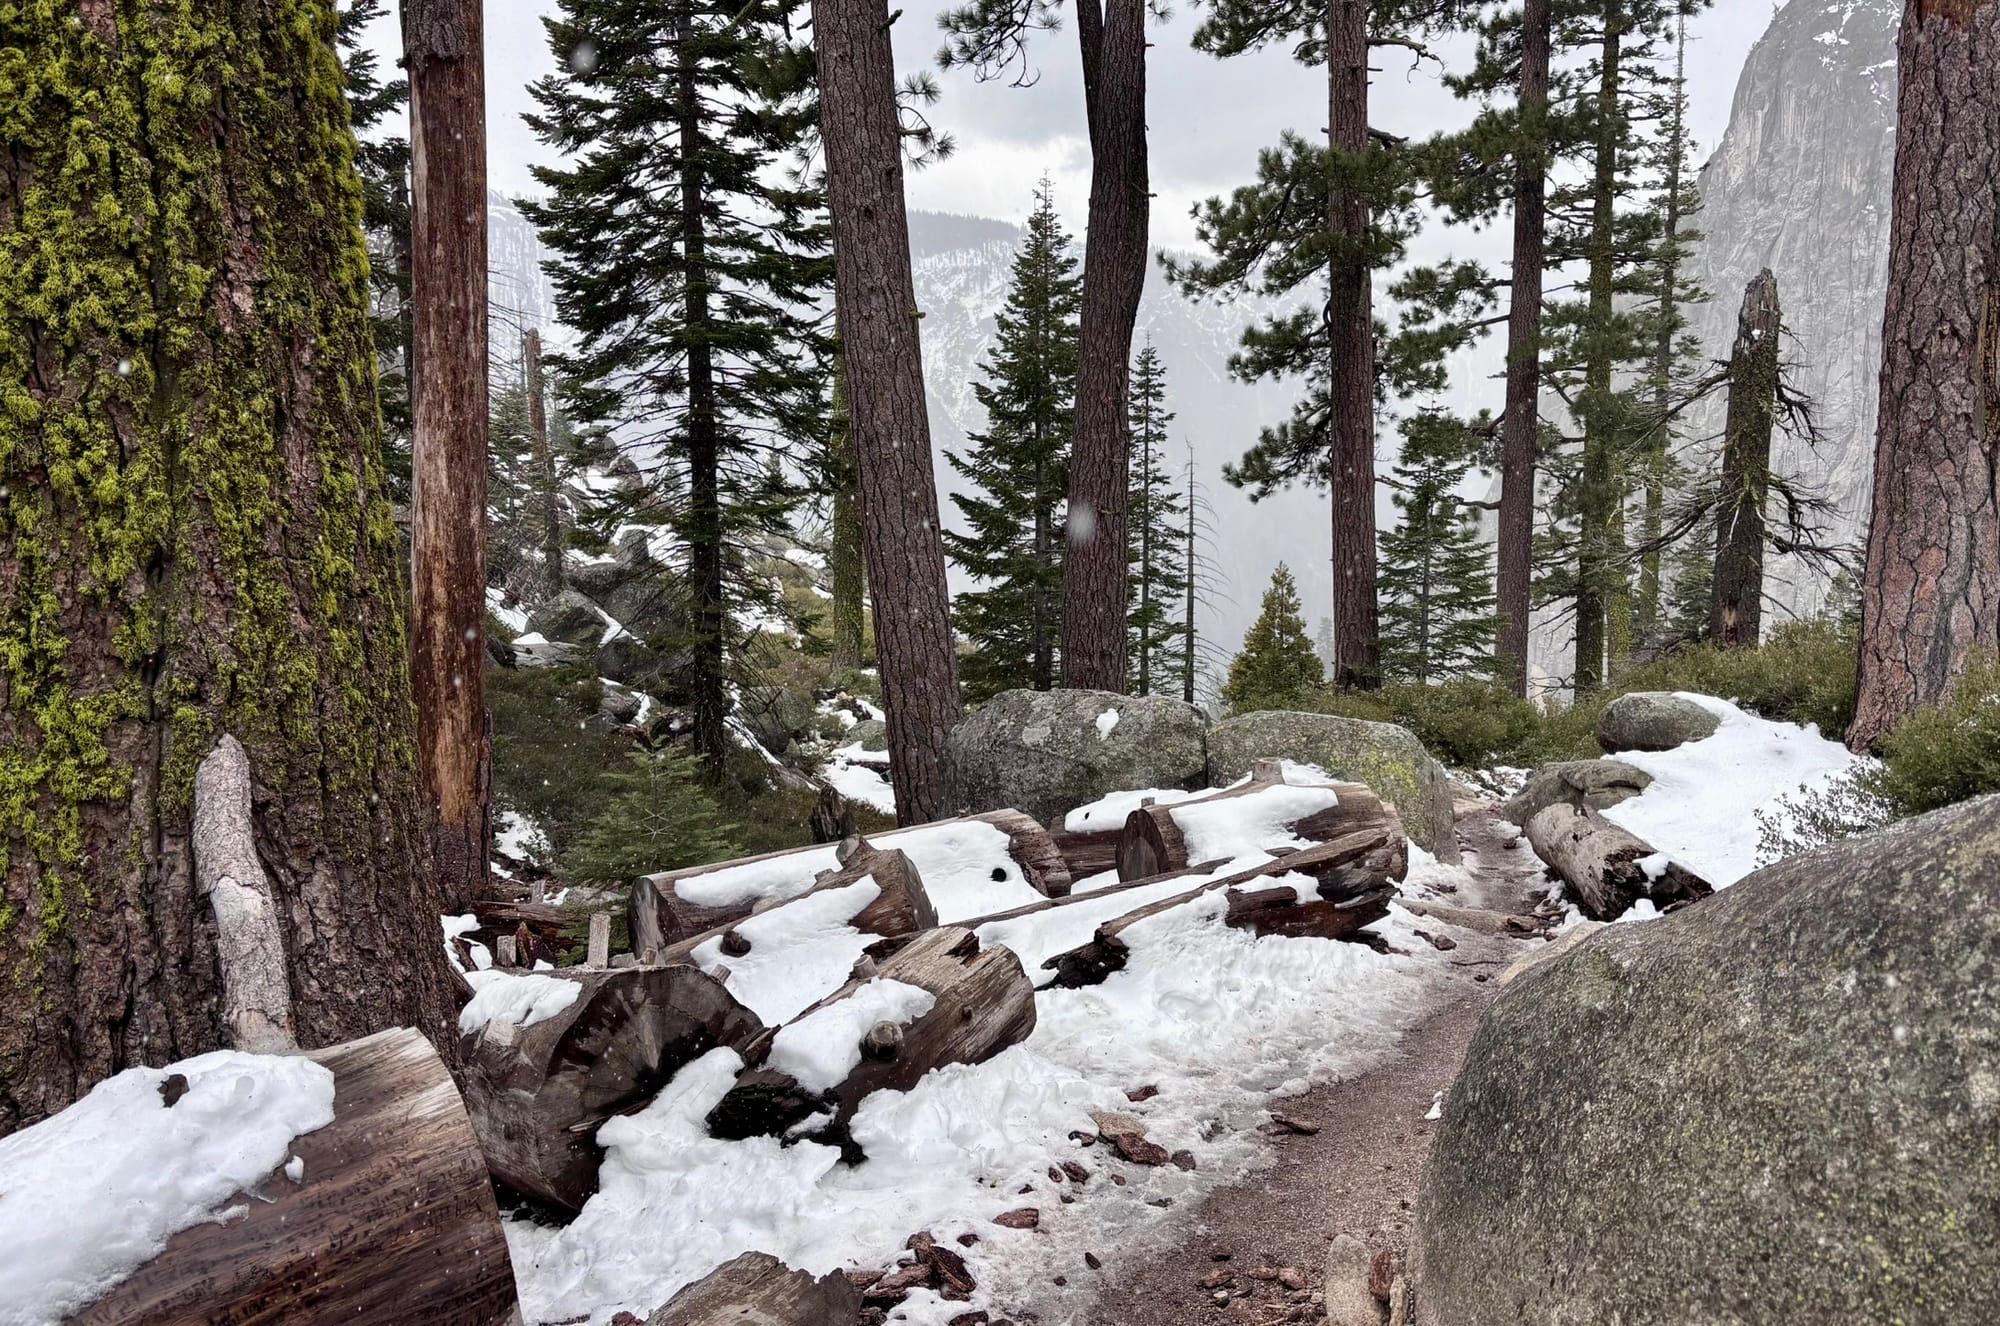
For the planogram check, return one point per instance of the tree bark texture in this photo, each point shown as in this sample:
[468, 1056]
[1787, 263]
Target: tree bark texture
[844, 556]
[888, 422]
[1599, 499]
[194, 540]
[443, 44]
[1931, 592]
[1736, 605]
[1521, 419]
[1112, 34]
[1351, 332]
[550, 495]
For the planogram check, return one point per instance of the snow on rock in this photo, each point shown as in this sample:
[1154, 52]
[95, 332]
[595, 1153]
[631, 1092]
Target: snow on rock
[518, 836]
[861, 776]
[822, 1048]
[454, 926]
[798, 954]
[520, 999]
[1106, 721]
[1701, 808]
[1259, 821]
[1109, 812]
[89, 1195]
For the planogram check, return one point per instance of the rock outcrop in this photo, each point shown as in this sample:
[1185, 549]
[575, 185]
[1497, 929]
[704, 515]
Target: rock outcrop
[1779, 1106]
[1592, 784]
[1653, 720]
[1046, 752]
[1388, 758]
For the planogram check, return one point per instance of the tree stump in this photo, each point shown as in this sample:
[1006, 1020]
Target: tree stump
[393, 1219]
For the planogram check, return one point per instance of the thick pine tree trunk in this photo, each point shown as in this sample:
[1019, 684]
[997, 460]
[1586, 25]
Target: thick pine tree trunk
[1112, 34]
[885, 379]
[1521, 421]
[704, 449]
[443, 46]
[195, 541]
[1599, 499]
[549, 497]
[1736, 606]
[1932, 589]
[1351, 329]
[844, 556]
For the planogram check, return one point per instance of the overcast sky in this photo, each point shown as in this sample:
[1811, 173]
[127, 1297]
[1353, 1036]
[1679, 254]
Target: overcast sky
[1206, 117]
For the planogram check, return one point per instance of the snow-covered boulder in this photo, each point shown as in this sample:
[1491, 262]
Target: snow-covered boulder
[569, 619]
[870, 734]
[1388, 758]
[1779, 1104]
[1045, 751]
[1652, 720]
[1595, 784]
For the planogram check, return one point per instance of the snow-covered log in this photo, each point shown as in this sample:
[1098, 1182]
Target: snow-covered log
[387, 1216]
[1351, 880]
[1606, 868]
[939, 999]
[756, 1289]
[1157, 838]
[902, 907]
[549, 1056]
[1088, 852]
[671, 906]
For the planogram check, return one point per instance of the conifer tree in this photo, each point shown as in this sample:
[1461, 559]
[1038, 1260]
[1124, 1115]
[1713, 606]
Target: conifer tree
[692, 265]
[1155, 634]
[1276, 668]
[1438, 617]
[1019, 470]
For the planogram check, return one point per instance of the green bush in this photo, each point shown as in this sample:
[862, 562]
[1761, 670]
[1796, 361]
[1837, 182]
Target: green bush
[1466, 724]
[550, 758]
[656, 815]
[1946, 753]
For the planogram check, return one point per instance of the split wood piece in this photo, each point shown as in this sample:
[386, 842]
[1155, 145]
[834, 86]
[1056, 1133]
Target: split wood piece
[901, 908]
[392, 1218]
[1600, 863]
[250, 948]
[661, 916]
[756, 1289]
[537, 1093]
[1354, 876]
[1151, 842]
[984, 1003]
[1088, 853]
[545, 923]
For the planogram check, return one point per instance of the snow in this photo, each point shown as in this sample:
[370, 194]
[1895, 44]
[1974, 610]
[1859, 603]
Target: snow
[519, 1000]
[822, 1048]
[295, 1169]
[1260, 820]
[518, 836]
[1701, 808]
[861, 776]
[454, 926]
[514, 619]
[1105, 722]
[1109, 812]
[798, 954]
[89, 1195]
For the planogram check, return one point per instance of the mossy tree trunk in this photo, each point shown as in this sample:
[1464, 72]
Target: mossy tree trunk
[193, 540]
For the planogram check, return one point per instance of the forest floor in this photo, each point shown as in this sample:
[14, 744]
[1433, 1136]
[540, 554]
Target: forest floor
[1256, 1251]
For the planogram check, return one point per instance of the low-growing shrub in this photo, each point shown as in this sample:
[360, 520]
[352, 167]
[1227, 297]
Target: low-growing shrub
[656, 815]
[1945, 753]
[1466, 724]
[550, 757]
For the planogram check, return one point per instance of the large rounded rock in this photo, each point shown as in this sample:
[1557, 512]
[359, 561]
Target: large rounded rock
[1780, 1106]
[1388, 758]
[1046, 752]
[1592, 784]
[1652, 720]
[870, 734]
[568, 619]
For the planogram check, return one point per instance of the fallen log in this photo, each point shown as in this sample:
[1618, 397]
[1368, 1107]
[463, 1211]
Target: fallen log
[757, 1289]
[902, 907]
[392, 1217]
[537, 1092]
[951, 1002]
[545, 924]
[1155, 838]
[1353, 878]
[1606, 868]
[1486, 921]
[672, 905]
[1087, 853]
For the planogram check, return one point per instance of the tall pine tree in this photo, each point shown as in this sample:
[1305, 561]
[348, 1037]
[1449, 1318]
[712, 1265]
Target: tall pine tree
[1155, 636]
[1276, 668]
[693, 266]
[1438, 617]
[1019, 470]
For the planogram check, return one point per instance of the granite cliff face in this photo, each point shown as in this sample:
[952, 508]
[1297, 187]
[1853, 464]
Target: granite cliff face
[1800, 184]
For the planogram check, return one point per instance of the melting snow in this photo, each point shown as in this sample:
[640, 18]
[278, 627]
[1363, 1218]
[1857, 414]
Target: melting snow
[522, 999]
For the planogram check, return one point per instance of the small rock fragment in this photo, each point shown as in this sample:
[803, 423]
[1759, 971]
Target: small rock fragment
[1140, 1151]
[1291, 1125]
[1090, 1260]
[1077, 1172]
[1137, 1094]
[1183, 1159]
[1026, 1217]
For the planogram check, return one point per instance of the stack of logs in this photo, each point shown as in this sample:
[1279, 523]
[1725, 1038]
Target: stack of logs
[535, 1094]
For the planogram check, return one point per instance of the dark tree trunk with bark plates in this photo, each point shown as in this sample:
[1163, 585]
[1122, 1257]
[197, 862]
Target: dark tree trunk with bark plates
[1736, 607]
[1931, 593]
[1351, 331]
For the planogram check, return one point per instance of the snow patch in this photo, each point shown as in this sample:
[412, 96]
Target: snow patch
[822, 1048]
[1106, 721]
[798, 954]
[1259, 821]
[1109, 811]
[521, 1000]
